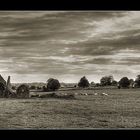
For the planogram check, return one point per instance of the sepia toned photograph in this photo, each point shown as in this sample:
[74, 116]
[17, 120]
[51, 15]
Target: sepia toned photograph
[69, 69]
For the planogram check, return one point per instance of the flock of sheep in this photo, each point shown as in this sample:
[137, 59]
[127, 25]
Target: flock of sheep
[102, 94]
[66, 95]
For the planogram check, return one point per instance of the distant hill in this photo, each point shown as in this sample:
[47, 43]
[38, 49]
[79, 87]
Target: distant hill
[41, 84]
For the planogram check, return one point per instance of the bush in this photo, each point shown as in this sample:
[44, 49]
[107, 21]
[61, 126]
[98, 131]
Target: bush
[38, 87]
[53, 84]
[124, 82]
[92, 84]
[14, 87]
[97, 85]
[44, 88]
[83, 82]
[75, 86]
[33, 87]
[23, 91]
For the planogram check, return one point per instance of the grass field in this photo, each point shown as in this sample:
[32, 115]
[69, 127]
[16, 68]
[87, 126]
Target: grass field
[120, 109]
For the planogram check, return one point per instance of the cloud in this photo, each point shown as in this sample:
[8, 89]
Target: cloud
[69, 44]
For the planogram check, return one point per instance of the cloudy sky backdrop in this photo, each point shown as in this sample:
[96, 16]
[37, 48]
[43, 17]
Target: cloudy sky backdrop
[68, 45]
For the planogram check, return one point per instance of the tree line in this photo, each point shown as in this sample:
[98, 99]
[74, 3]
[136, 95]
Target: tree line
[124, 82]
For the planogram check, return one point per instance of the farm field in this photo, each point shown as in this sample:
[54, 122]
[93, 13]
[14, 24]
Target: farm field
[120, 109]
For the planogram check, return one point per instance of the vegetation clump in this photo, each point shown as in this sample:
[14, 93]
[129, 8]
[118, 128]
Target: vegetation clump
[83, 82]
[124, 82]
[33, 87]
[23, 91]
[107, 80]
[137, 81]
[52, 84]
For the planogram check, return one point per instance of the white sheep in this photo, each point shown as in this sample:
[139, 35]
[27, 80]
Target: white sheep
[84, 94]
[76, 93]
[105, 94]
[95, 93]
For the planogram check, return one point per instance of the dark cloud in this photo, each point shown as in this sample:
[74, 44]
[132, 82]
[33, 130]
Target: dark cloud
[68, 45]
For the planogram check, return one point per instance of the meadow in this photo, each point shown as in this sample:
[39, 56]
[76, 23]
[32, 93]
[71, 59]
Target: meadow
[120, 109]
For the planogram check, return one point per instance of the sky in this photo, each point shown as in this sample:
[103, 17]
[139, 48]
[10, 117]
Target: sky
[37, 45]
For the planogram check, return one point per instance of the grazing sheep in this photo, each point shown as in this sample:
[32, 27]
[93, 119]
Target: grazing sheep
[36, 95]
[84, 94]
[76, 93]
[95, 93]
[62, 93]
[42, 96]
[104, 94]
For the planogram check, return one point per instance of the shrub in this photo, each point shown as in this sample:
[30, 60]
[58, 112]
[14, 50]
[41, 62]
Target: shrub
[32, 87]
[38, 87]
[83, 82]
[44, 88]
[23, 91]
[14, 87]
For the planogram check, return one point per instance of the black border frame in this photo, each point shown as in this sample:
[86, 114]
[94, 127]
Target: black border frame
[69, 5]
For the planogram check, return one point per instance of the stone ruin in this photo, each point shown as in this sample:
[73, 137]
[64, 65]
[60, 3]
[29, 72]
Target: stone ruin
[7, 91]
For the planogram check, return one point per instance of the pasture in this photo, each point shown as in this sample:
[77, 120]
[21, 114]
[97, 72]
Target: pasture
[120, 109]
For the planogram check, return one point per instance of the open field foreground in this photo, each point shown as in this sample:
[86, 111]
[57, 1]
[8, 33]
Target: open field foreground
[120, 109]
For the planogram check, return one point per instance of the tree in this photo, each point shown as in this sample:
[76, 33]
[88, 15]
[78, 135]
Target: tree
[106, 80]
[50, 79]
[53, 84]
[114, 83]
[137, 80]
[83, 82]
[124, 82]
